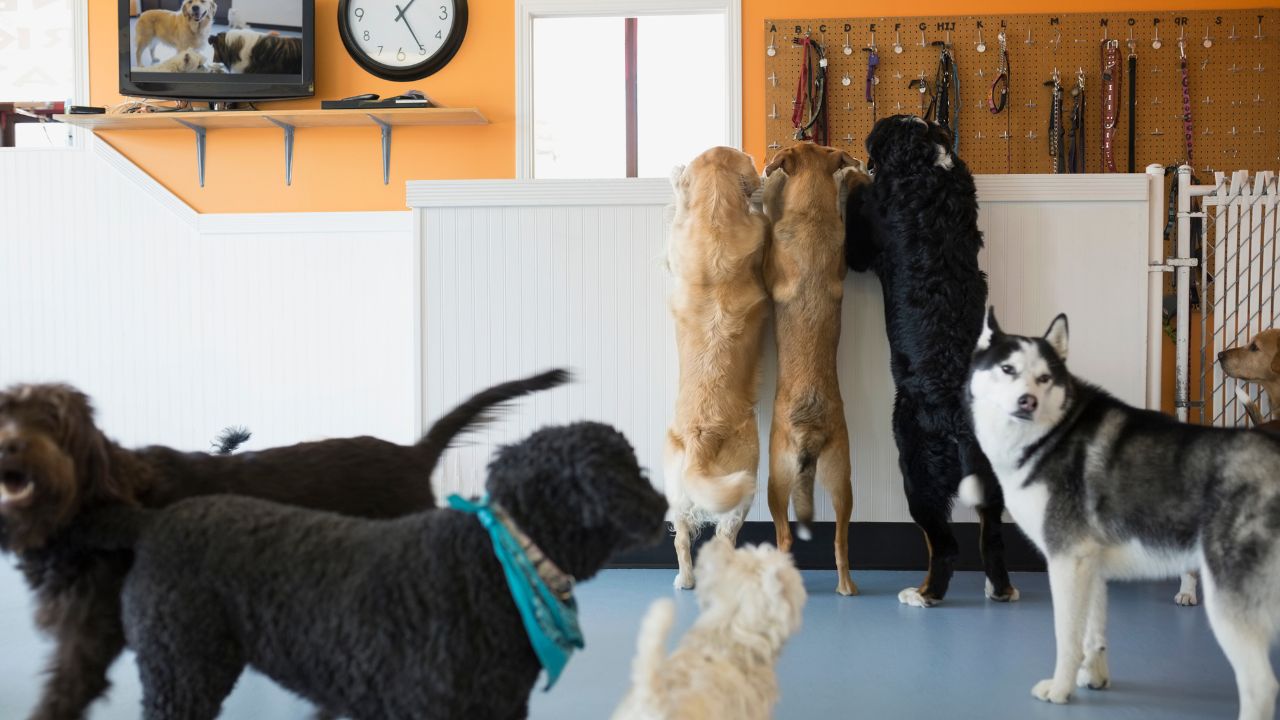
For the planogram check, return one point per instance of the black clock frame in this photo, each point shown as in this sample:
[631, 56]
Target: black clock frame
[413, 72]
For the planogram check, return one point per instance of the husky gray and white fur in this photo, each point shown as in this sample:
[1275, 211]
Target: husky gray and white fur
[1107, 491]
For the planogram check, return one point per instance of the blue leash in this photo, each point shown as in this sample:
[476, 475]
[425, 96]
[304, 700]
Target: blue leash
[550, 621]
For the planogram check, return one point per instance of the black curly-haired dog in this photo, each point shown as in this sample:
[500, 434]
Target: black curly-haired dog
[916, 226]
[55, 464]
[370, 619]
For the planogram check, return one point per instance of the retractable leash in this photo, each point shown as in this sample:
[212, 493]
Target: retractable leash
[946, 96]
[1133, 100]
[1188, 131]
[1076, 151]
[1110, 101]
[1055, 123]
[811, 93]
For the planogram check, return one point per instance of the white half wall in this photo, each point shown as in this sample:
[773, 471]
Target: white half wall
[519, 276]
[298, 326]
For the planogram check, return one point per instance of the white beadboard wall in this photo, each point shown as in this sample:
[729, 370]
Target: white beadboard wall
[523, 275]
[297, 326]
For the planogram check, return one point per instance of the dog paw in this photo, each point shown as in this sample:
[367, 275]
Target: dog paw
[1012, 595]
[913, 597]
[1045, 690]
[1093, 673]
[683, 582]
[1186, 599]
[847, 587]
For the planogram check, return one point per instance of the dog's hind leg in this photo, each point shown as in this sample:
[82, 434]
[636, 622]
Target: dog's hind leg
[1071, 581]
[684, 552]
[782, 479]
[186, 682]
[89, 637]
[1094, 673]
[834, 472]
[1245, 638]
[990, 521]
[926, 463]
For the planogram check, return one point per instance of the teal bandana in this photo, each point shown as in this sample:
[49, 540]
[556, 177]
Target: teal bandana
[543, 592]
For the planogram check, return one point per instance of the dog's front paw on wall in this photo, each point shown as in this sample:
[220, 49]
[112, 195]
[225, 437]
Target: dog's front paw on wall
[1045, 690]
[913, 597]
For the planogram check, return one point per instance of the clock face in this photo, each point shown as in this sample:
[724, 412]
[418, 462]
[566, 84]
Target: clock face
[402, 39]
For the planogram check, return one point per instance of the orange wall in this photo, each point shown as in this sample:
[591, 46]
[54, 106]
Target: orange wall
[341, 169]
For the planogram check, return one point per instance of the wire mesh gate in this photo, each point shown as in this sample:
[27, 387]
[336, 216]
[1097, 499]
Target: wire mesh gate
[1233, 276]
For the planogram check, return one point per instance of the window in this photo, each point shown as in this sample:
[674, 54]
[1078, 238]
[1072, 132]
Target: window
[612, 88]
[40, 72]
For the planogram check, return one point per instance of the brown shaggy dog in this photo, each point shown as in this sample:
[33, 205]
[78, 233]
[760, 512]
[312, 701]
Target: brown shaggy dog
[55, 464]
[715, 254]
[1257, 362]
[251, 52]
[804, 271]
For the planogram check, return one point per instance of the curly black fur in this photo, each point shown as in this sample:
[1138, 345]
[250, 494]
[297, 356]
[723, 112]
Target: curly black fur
[76, 469]
[388, 619]
[916, 227]
[230, 439]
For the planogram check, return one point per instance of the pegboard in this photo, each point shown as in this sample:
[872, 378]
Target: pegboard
[1233, 60]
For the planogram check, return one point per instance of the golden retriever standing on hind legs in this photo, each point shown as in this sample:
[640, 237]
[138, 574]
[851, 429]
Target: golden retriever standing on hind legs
[804, 272]
[715, 253]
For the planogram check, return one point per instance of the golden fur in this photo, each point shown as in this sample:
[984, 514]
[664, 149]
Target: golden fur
[1257, 362]
[751, 601]
[804, 272]
[719, 304]
[185, 29]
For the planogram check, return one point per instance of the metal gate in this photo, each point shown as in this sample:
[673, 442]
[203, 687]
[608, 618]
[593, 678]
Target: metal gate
[1233, 274]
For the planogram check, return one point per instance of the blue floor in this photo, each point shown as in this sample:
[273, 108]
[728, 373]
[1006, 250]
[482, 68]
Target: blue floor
[860, 657]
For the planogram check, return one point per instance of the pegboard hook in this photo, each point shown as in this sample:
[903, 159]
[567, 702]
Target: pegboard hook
[1259, 36]
[1029, 41]
[1106, 33]
[1057, 38]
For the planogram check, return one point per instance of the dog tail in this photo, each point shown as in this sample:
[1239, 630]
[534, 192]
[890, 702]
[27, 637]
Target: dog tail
[651, 650]
[719, 494]
[231, 438]
[115, 527]
[802, 493]
[1250, 407]
[479, 408]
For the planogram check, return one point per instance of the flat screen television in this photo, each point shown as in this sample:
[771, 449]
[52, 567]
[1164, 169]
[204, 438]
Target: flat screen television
[217, 50]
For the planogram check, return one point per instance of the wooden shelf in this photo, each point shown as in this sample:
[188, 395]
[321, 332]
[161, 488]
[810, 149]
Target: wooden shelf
[286, 120]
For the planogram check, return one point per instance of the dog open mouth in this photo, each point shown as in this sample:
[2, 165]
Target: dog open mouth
[15, 487]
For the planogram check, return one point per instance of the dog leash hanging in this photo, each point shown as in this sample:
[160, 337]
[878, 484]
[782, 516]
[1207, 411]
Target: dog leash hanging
[1133, 101]
[811, 93]
[945, 105]
[1188, 131]
[1076, 150]
[1055, 123]
[1110, 102]
[873, 62]
[998, 96]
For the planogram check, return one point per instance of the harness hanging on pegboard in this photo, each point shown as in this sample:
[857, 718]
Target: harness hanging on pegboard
[1056, 156]
[809, 113]
[1076, 150]
[1111, 72]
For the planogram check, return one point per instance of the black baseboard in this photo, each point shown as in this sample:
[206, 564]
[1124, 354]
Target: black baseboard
[872, 546]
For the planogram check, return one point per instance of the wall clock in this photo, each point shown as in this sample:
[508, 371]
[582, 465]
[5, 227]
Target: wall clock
[402, 39]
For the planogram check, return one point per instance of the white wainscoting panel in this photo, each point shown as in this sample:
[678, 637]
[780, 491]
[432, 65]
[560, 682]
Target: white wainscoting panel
[297, 326]
[519, 276]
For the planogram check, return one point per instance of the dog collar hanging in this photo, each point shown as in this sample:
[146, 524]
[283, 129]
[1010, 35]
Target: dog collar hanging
[543, 593]
[945, 105]
[998, 96]
[1111, 71]
[1188, 131]
[1055, 123]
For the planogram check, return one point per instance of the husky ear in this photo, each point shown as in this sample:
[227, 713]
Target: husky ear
[1057, 336]
[990, 329]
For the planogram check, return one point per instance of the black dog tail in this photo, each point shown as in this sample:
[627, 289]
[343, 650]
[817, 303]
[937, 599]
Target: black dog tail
[478, 409]
[115, 527]
[231, 438]
[802, 493]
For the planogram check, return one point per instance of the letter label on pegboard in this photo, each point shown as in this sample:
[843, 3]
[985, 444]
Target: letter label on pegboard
[1053, 22]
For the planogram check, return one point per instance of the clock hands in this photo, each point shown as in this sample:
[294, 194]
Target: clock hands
[401, 16]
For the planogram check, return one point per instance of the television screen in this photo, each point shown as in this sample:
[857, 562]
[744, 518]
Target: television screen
[217, 49]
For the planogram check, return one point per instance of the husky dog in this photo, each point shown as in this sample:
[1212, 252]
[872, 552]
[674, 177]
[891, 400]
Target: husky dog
[1108, 491]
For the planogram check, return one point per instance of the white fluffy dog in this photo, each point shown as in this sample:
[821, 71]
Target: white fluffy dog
[751, 601]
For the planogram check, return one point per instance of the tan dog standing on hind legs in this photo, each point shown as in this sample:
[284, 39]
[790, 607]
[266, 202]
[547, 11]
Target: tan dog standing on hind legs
[715, 253]
[804, 271]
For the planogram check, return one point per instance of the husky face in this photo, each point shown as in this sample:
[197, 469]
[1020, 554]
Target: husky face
[1017, 380]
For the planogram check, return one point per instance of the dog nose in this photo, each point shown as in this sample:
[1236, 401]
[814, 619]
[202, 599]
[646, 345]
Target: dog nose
[1222, 355]
[1028, 403]
[12, 447]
